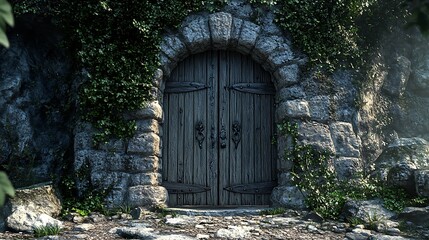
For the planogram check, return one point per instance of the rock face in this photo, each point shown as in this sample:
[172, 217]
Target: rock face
[418, 216]
[32, 207]
[404, 163]
[366, 211]
[37, 92]
[35, 84]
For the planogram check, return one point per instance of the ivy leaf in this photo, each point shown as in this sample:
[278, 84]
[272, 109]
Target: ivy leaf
[6, 188]
[3, 39]
[6, 18]
[6, 13]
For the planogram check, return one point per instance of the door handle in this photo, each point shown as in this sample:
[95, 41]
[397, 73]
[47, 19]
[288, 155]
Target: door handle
[222, 137]
[199, 133]
[236, 133]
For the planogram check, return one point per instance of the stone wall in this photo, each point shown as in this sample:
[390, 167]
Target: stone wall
[36, 109]
[395, 97]
[37, 95]
[323, 108]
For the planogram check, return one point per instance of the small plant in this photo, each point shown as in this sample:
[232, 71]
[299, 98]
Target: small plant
[354, 221]
[163, 212]
[373, 220]
[47, 230]
[273, 211]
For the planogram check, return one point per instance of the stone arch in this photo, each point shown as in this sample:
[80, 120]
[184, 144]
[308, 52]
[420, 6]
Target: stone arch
[222, 31]
[131, 167]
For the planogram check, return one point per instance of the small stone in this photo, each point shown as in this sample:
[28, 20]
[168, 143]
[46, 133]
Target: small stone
[78, 219]
[393, 231]
[83, 227]
[360, 226]
[200, 226]
[203, 236]
[311, 228]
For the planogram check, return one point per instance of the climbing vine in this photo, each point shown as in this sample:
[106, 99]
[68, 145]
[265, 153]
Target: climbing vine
[116, 43]
[336, 34]
[313, 173]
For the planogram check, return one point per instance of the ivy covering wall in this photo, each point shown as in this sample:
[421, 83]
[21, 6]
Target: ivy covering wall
[116, 43]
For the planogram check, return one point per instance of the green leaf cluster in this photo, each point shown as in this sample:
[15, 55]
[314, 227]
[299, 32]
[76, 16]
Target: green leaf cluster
[313, 173]
[47, 230]
[6, 188]
[6, 19]
[117, 45]
[337, 34]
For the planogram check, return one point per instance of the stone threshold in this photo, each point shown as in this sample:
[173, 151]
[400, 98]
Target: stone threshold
[219, 211]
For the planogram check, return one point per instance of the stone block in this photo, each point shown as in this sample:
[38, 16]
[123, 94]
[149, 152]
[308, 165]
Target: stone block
[422, 182]
[166, 64]
[248, 35]
[90, 159]
[281, 56]
[235, 32]
[145, 144]
[317, 135]
[292, 109]
[173, 48]
[347, 144]
[290, 93]
[116, 198]
[347, 167]
[145, 179]
[286, 76]
[319, 108]
[285, 179]
[147, 125]
[152, 111]
[264, 46]
[115, 180]
[140, 196]
[113, 145]
[158, 77]
[288, 196]
[136, 164]
[220, 28]
[197, 35]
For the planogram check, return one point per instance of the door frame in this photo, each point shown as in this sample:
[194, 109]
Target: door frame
[222, 31]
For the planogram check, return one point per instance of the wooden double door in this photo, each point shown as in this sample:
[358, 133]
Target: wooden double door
[218, 132]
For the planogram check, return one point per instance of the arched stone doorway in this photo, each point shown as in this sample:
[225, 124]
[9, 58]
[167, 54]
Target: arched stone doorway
[218, 130]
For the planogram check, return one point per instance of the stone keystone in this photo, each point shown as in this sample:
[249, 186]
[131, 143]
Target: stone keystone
[220, 28]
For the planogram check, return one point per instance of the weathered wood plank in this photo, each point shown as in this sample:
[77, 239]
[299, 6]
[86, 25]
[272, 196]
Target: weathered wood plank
[236, 115]
[212, 166]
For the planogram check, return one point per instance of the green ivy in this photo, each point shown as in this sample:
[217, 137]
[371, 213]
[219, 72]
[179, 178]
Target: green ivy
[117, 45]
[336, 34]
[314, 174]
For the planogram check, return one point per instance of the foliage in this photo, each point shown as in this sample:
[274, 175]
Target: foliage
[88, 198]
[91, 200]
[314, 174]
[325, 30]
[117, 45]
[163, 212]
[419, 14]
[273, 211]
[6, 19]
[336, 34]
[6, 188]
[47, 230]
